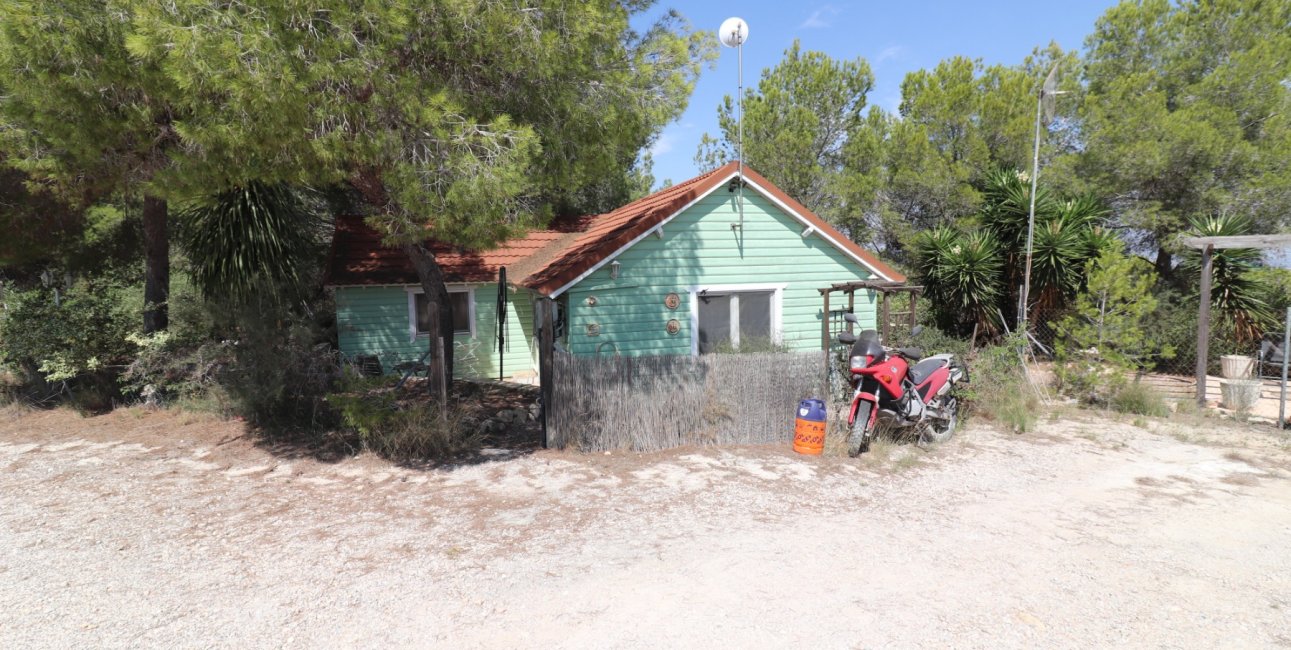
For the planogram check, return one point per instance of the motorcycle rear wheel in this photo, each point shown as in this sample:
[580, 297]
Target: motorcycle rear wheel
[940, 430]
[858, 441]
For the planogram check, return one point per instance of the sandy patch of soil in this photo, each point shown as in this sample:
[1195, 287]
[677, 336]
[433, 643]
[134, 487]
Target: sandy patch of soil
[159, 529]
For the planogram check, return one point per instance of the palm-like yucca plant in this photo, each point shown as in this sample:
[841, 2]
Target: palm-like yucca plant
[1098, 240]
[1056, 262]
[980, 275]
[930, 250]
[1065, 240]
[1006, 207]
[248, 240]
[1084, 211]
[962, 272]
[1235, 294]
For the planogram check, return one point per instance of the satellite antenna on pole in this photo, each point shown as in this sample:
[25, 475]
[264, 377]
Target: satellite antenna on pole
[733, 33]
[1044, 111]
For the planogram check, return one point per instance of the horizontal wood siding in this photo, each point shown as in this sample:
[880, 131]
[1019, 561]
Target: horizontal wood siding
[699, 248]
[374, 320]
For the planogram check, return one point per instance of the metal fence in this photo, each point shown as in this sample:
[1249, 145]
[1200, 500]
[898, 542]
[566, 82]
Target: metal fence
[658, 402]
[1176, 334]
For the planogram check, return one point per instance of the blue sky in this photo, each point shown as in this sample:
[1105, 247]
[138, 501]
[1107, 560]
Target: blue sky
[895, 37]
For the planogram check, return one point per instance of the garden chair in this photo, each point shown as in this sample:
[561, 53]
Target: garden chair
[368, 365]
[1269, 361]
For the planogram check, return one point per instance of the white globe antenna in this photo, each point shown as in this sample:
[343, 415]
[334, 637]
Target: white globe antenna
[733, 33]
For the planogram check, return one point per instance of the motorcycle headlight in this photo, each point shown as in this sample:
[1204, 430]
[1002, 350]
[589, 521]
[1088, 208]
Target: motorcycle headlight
[859, 363]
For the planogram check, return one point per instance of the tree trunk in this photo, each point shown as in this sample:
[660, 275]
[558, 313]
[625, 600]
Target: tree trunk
[1164, 264]
[156, 282]
[439, 377]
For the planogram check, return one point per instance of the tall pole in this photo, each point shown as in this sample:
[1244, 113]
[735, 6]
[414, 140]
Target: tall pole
[1203, 322]
[1035, 176]
[733, 32]
[739, 53]
[1286, 352]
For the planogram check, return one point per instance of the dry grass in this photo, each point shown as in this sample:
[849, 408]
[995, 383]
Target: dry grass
[419, 433]
[14, 409]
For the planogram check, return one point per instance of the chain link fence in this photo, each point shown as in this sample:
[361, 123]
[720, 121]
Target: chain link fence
[1173, 372]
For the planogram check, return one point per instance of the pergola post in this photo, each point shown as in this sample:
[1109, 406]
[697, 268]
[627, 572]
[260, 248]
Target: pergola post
[546, 308]
[1207, 245]
[1203, 322]
[824, 323]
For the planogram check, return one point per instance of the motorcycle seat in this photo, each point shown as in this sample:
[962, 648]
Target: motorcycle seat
[922, 370]
[913, 354]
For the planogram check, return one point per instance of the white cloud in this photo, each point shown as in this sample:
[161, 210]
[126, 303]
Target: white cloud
[662, 145]
[819, 18]
[893, 52]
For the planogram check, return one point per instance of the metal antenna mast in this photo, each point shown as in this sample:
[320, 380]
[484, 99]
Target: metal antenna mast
[733, 33]
[1044, 108]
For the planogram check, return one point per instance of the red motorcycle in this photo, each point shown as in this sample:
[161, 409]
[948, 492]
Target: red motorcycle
[891, 391]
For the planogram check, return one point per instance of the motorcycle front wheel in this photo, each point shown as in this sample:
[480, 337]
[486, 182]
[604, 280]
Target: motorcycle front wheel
[858, 442]
[940, 430]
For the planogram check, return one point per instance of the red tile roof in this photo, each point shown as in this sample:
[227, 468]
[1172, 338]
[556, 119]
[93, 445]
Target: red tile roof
[547, 260]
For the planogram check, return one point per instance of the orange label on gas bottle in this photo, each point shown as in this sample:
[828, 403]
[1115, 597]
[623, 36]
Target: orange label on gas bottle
[809, 433]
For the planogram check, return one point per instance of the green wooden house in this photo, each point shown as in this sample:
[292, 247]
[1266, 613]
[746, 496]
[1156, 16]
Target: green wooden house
[679, 272]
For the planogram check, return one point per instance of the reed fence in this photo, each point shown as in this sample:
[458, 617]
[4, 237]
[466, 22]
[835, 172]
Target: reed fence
[658, 402]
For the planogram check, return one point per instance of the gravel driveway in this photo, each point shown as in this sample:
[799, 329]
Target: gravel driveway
[142, 529]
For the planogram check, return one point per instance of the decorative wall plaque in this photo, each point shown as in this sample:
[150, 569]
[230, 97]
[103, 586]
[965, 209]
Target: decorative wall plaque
[593, 329]
[673, 326]
[672, 301]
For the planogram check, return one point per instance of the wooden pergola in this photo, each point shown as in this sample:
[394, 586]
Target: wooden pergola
[885, 289]
[1207, 245]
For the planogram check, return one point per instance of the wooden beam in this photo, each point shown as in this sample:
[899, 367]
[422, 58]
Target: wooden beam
[887, 320]
[851, 307]
[1239, 241]
[824, 325]
[881, 285]
[546, 350]
[1203, 323]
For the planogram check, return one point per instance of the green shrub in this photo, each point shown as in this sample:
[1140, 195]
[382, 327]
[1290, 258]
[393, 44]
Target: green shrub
[934, 341]
[73, 341]
[1139, 399]
[167, 369]
[394, 426]
[1105, 336]
[280, 369]
[998, 389]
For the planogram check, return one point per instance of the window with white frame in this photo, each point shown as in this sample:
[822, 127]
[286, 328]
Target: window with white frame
[729, 319]
[463, 303]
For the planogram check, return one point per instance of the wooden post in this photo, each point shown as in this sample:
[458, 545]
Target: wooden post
[443, 385]
[436, 381]
[1286, 357]
[824, 341]
[914, 318]
[546, 350]
[824, 324]
[1203, 322]
[501, 320]
[851, 306]
[887, 319]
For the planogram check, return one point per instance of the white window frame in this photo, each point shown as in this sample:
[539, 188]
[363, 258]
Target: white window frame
[413, 292]
[777, 310]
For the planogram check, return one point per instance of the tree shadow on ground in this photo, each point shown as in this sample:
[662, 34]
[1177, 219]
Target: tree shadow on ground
[500, 416]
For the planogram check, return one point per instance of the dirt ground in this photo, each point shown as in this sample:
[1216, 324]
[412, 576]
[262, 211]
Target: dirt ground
[161, 529]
